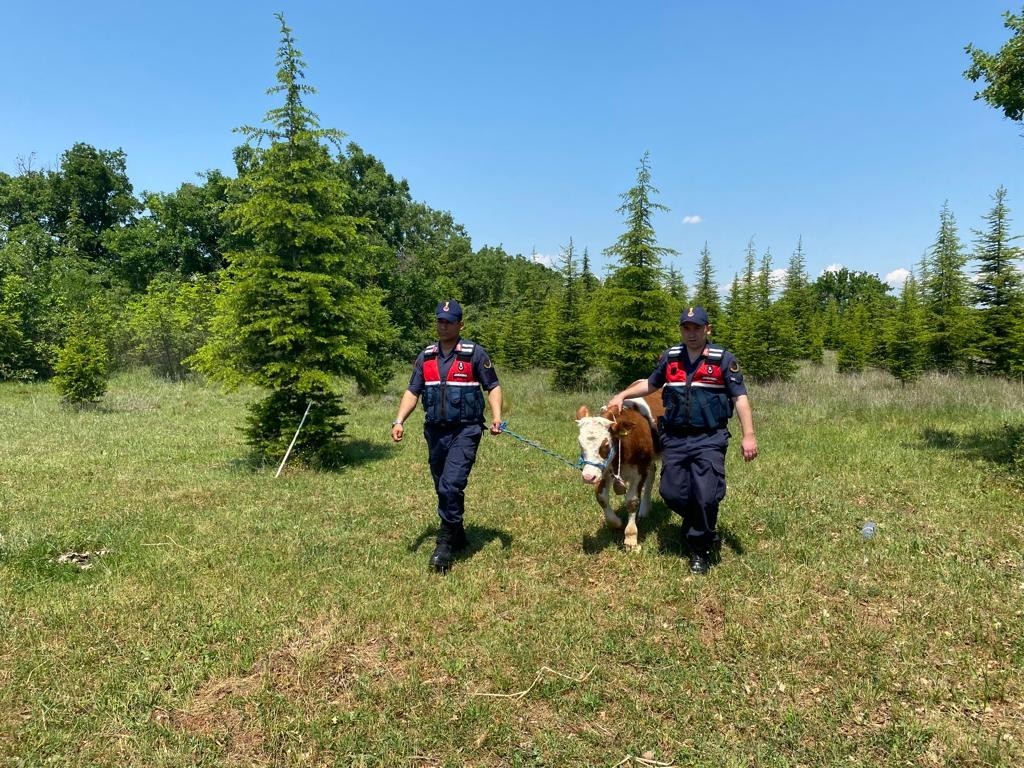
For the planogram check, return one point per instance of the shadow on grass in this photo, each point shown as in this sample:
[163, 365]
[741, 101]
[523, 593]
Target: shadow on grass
[606, 536]
[478, 536]
[996, 446]
[671, 541]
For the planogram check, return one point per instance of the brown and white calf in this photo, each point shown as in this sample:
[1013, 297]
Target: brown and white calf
[620, 450]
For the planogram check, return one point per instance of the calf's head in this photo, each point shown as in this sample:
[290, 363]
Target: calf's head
[595, 444]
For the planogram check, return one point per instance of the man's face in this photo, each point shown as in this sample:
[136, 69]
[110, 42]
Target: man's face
[694, 336]
[448, 331]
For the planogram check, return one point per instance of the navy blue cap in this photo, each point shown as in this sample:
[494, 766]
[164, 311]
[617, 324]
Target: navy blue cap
[449, 310]
[695, 315]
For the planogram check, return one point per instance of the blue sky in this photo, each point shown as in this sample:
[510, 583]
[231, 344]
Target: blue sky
[845, 124]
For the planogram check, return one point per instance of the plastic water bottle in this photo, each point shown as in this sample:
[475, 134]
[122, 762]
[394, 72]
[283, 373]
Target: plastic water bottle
[868, 531]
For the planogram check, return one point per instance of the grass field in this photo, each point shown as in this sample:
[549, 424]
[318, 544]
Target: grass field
[236, 619]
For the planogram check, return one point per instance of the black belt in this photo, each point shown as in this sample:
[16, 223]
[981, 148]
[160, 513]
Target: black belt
[686, 431]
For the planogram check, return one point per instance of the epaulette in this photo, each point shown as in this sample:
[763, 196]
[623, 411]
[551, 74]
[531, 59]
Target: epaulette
[676, 351]
[715, 353]
[430, 350]
[465, 348]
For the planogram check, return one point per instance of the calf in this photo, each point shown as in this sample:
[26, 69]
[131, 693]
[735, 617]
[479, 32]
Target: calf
[620, 449]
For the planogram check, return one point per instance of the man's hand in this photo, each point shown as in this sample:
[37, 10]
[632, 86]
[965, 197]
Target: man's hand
[749, 445]
[615, 402]
[496, 426]
[397, 432]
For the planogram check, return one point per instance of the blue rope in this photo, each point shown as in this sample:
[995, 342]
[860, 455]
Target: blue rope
[575, 465]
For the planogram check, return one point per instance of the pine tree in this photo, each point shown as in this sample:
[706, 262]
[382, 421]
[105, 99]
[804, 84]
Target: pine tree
[675, 286]
[854, 338]
[640, 323]
[998, 287]
[739, 333]
[773, 338]
[571, 363]
[906, 338]
[588, 282]
[83, 366]
[946, 296]
[797, 303]
[705, 291]
[292, 315]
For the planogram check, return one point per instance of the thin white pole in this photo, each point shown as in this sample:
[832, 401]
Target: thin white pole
[292, 445]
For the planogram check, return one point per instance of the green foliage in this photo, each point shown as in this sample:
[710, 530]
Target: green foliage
[797, 304]
[571, 362]
[946, 291]
[998, 288]
[775, 347]
[297, 308]
[906, 336]
[736, 329]
[638, 319]
[82, 366]
[1003, 71]
[856, 339]
[171, 322]
[705, 292]
[89, 196]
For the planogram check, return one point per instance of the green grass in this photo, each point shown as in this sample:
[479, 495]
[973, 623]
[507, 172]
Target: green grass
[243, 620]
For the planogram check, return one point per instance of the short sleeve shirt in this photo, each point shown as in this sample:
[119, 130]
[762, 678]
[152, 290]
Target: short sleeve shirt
[483, 369]
[734, 386]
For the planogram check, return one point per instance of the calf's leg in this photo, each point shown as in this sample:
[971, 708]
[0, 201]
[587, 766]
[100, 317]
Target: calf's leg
[602, 498]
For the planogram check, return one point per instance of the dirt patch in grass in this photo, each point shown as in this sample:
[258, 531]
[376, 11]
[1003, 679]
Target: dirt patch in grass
[709, 616]
[222, 709]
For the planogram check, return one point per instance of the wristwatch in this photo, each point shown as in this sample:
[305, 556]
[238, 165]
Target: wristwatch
[397, 423]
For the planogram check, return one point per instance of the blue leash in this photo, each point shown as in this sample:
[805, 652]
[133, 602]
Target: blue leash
[575, 465]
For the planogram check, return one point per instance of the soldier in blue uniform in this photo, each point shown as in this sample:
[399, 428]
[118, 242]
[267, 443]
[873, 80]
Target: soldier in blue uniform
[452, 375]
[703, 385]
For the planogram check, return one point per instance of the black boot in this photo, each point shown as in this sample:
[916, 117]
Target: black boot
[450, 538]
[459, 540]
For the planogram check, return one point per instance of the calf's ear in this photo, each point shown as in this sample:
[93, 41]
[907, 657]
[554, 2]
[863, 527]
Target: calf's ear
[618, 429]
[582, 412]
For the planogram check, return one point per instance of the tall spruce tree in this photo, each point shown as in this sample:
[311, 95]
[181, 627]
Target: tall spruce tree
[797, 303]
[998, 287]
[774, 339]
[639, 311]
[855, 336]
[292, 315]
[571, 363]
[946, 295]
[705, 293]
[739, 331]
[906, 336]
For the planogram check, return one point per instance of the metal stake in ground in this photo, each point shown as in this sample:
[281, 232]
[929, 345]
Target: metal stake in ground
[292, 444]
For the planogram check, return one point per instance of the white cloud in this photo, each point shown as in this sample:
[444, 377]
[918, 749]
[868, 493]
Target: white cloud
[694, 219]
[778, 277]
[832, 268]
[540, 258]
[897, 277]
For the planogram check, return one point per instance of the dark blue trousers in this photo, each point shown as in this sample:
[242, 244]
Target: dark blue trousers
[451, 453]
[693, 483]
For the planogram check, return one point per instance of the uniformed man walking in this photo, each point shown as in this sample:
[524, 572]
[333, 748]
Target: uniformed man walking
[703, 385]
[451, 375]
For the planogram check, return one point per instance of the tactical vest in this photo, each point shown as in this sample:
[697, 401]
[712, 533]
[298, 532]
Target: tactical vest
[458, 399]
[698, 401]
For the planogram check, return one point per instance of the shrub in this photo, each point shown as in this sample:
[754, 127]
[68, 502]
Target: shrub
[82, 368]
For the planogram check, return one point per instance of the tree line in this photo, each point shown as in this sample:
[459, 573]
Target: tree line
[313, 262]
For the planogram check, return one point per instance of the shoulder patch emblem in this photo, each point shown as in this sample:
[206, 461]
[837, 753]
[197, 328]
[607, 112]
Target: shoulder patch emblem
[734, 366]
[487, 362]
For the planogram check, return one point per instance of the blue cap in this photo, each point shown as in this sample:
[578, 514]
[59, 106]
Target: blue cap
[695, 315]
[449, 310]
